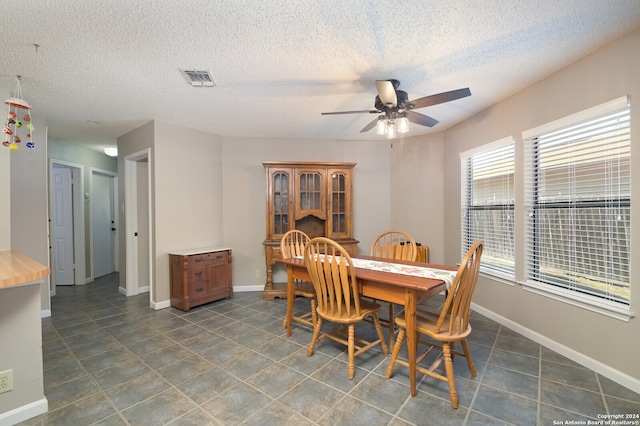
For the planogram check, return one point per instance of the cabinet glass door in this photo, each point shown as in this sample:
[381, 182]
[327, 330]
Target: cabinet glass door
[280, 202]
[311, 193]
[340, 203]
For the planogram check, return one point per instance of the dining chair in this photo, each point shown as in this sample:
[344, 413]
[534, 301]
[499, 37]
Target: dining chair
[397, 245]
[292, 245]
[338, 299]
[445, 327]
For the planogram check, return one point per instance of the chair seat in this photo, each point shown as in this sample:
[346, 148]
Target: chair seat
[367, 307]
[426, 320]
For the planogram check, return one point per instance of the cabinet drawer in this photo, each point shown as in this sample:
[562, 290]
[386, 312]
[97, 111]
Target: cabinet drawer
[199, 273]
[198, 289]
[207, 258]
[199, 259]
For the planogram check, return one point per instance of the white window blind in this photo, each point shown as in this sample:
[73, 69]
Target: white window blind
[488, 204]
[578, 205]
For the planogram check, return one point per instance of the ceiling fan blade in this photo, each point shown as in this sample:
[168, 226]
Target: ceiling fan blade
[369, 126]
[439, 98]
[421, 119]
[368, 111]
[387, 93]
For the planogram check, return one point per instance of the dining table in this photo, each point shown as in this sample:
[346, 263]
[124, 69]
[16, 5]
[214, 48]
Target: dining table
[401, 282]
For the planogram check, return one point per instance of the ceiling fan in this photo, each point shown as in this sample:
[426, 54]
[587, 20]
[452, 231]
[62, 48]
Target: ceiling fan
[394, 105]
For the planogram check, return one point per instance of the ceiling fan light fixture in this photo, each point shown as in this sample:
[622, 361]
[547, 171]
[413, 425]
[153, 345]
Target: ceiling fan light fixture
[403, 125]
[381, 126]
[391, 130]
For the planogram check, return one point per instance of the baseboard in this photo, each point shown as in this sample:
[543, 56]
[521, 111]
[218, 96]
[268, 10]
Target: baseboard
[590, 363]
[161, 305]
[45, 313]
[247, 288]
[25, 412]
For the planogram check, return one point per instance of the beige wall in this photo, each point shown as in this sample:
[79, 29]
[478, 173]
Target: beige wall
[417, 191]
[188, 195]
[606, 344]
[5, 200]
[29, 209]
[20, 331]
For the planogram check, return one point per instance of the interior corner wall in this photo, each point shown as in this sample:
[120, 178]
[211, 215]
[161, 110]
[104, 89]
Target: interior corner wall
[607, 74]
[188, 196]
[417, 191]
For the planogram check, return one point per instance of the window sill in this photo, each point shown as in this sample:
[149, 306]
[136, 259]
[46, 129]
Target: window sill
[599, 306]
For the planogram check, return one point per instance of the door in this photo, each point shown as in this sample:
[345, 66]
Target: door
[103, 224]
[137, 226]
[62, 225]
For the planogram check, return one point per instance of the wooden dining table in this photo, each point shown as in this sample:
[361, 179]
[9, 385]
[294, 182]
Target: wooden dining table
[402, 289]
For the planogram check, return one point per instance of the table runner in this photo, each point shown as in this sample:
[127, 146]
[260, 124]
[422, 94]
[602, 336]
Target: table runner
[398, 268]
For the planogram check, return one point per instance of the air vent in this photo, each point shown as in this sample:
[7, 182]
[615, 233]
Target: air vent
[199, 78]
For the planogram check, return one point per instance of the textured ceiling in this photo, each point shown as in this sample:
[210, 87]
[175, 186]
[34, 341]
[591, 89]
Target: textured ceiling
[279, 63]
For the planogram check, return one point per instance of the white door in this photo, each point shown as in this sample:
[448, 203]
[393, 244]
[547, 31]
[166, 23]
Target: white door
[62, 226]
[103, 229]
[142, 230]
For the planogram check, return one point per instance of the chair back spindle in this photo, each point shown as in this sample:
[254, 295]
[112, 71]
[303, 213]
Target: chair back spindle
[394, 244]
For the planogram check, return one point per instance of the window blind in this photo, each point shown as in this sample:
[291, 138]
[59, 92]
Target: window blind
[578, 204]
[488, 204]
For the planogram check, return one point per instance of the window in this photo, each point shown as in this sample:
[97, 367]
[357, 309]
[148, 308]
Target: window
[578, 206]
[488, 204]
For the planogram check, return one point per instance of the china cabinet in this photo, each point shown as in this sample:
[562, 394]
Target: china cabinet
[315, 198]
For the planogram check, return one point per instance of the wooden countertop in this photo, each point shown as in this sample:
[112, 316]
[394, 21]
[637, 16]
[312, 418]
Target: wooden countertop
[17, 268]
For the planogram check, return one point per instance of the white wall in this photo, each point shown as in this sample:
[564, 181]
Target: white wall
[607, 345]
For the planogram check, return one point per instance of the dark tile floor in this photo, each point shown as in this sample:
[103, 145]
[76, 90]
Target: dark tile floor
[111, 360]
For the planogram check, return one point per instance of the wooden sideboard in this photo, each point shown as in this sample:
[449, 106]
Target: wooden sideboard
[315, 198]
[199, 276]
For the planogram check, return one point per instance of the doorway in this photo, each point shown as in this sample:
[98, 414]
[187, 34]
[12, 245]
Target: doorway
[138, 230]
[66, 225]
[104, 223]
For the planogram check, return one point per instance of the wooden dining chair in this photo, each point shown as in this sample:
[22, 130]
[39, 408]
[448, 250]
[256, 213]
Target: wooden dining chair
[338, 299]
[445, 327]
[292, 245]
[396, 245]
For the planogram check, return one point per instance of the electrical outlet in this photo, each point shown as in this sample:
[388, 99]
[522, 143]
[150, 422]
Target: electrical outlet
[257, 273]
[6, 381]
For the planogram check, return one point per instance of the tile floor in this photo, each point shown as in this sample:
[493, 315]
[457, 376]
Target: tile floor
[111, 360]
